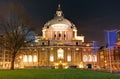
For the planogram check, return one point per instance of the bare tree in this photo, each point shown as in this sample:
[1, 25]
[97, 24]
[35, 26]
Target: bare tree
[13, 22]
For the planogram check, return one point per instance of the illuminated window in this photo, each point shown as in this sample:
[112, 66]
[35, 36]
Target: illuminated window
[25, 58]
[36, 40]
[81, 65]
[68, 48]
[60, 53]
[59, 27]
[51, 48]
[77, 48]
[20, 57]
[51, 58]
[85, 59]
[29, 58]
[34, 58]
[69, 58]
[87, 44]
[90, 58]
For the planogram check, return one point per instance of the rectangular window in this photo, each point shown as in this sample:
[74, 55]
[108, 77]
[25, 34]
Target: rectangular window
[69, 58]
[60, 53]
[51, 58]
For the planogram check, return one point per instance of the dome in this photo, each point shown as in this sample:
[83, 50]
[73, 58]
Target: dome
[59, 19]
[60, 28]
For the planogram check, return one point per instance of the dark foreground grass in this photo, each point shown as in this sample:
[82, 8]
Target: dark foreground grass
[55, 74]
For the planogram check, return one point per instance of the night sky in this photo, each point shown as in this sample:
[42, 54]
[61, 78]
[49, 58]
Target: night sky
[91, 17]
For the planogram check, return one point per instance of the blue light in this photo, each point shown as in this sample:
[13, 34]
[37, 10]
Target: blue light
[110, 38]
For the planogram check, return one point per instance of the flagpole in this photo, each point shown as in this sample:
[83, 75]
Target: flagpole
[93, 55]
[109, 52]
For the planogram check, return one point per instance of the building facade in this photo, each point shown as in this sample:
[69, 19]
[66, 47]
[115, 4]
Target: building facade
[59, 47]
[110, 56]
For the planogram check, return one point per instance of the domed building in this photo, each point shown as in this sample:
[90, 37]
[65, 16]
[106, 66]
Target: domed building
[59, 47]
[60, 28]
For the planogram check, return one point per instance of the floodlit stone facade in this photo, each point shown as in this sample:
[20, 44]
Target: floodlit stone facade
[59, 46]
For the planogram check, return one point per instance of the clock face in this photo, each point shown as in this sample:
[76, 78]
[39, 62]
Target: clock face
[60, 27]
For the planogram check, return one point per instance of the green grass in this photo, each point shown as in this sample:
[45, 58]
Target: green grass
[55, 74]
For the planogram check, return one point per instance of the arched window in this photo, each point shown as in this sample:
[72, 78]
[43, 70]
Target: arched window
[90, 58]
[30, 58]
[85, 58]
[35, 58]
[25, 59]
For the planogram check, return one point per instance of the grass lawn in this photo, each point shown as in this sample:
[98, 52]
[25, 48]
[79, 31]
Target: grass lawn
[55, 74]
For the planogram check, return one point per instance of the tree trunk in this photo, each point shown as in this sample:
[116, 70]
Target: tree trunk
[12, 61]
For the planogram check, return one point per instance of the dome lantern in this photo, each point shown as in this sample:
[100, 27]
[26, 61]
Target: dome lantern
[59, 11]
[59, 20]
